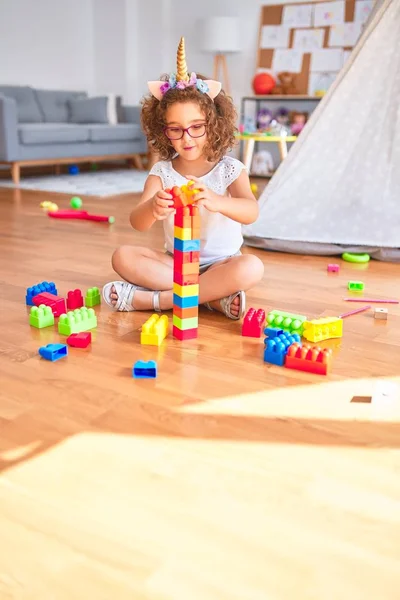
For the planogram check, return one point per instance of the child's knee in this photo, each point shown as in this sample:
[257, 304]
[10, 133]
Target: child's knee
[252, 270]
[118, 257]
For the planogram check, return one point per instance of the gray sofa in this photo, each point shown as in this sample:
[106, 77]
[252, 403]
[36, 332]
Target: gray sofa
[39, 127]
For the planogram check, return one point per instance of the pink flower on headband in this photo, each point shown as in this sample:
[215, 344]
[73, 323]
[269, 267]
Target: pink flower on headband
[165, 87]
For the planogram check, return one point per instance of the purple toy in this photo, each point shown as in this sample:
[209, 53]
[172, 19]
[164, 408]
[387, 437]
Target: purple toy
[264, 119]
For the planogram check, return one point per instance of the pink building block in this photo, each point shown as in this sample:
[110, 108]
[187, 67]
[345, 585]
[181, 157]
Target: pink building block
[74, 299]
[333, 268]
[253, 323]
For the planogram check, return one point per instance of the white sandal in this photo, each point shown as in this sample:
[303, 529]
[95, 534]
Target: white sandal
[126, 292]
[226, 305]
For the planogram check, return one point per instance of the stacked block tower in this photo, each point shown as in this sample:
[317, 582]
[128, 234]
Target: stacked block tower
[186, 264]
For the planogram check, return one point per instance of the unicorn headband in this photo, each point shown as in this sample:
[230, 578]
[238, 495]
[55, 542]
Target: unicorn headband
[182, 80]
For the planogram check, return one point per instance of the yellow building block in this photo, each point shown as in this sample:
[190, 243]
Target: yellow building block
[183, 233]
[326, 328]
[154, 330]
[184, 291]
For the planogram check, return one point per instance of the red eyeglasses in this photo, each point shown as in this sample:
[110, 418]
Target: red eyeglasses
[177, 133]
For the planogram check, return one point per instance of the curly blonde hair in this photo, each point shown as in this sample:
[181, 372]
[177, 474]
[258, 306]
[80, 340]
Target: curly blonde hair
[220, 116]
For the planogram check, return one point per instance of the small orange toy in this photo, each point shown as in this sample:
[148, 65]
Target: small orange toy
[182, 196]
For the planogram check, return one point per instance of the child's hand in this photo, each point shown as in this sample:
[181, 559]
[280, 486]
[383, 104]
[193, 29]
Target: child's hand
[162, 205]
[205, 197]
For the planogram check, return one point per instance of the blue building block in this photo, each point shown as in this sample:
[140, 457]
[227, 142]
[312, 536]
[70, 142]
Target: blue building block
[187, 302]
[187, 245]
[272, 332]
[53, 352]
[277, 347]
[144, 370]
[39, 288]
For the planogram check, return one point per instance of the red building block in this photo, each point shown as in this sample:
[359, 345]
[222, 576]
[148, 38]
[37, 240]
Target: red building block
[74, 299]
[253, 323]
[183, 218]
[56, 303]
[333, 268]
[189, 279]
[181, 258]
[185, 334]
[311, 359]
[79, 340]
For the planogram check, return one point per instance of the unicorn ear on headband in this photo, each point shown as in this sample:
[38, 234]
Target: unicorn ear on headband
[182, 80]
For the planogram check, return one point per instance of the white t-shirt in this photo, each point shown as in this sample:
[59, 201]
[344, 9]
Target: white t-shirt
[220, 235]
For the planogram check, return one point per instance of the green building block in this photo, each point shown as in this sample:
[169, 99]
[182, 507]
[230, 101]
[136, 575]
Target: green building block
[355, 286]
[75, 321]
[183, 324]
[41, 316]
[286, 321]
[92, 297]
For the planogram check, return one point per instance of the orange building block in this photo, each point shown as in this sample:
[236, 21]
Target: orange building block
[186, 313]
[311, 359]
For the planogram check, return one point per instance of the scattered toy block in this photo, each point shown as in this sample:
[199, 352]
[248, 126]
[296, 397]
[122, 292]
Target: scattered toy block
[326, 328]
[333, 268]
[184, 334]
[185, 324]
[189, 279]
[182, 233]
[41, 316]
[277, 347]
[187, 245]
[56, 303]
[273, 332]
[355, 286]
[92, 297]
[186, 313]
[75, 321]
[53, 352]
[79, 340]
[381, 314]
[154, 330]
[311, 359]
[253, 323]
[34, 290]
[184, 291]
[74, 299]
[187, 302]
[286, 321]
[144, 370]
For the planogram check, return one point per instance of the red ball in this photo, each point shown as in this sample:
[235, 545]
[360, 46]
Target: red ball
[263, 83]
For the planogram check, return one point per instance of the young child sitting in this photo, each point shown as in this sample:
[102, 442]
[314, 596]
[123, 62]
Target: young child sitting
[190, 123]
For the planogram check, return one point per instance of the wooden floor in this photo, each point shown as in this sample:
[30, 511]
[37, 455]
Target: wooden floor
[224, 479]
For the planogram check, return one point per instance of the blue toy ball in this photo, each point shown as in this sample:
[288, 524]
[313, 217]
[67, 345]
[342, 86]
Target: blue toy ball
[73, 169]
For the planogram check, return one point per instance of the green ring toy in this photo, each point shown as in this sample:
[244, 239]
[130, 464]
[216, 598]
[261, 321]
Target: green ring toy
[356, 258]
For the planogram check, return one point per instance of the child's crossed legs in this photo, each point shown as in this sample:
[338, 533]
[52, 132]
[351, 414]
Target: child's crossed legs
[153, 269]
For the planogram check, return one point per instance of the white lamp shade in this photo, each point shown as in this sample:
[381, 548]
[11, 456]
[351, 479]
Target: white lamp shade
[221, 35]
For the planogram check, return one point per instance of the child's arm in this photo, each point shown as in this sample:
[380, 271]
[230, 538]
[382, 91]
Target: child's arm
[154, 205]
[241, 207]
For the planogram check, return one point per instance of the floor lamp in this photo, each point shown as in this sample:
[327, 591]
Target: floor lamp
[221, 37]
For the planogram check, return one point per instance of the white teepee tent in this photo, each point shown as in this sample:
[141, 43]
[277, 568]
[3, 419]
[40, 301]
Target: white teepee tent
[338, 190]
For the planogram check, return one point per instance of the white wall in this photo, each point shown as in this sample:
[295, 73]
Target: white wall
[47, 43]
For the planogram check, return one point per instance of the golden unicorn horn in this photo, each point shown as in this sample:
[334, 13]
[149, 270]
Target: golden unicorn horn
[181, 71]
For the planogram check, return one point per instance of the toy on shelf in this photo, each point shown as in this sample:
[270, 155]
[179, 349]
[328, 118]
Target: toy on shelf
[80, 215]
[53, 352]
[262, 164]
[154, 330]
[298, 121]
[75, 321]
[285, 85]
[381, 314]
[144, 370]
[186, 273]
[282, 116]
[79, 340]
[333, 268]
[326, 328]
[253, 323]
[264, 118]
[263, 84]
[311, 359]
[41, 316]
[56, 303]
[74, 299]
[34, 290]
[277, 347]
[92, 297]
[286, 321]
[355, 286]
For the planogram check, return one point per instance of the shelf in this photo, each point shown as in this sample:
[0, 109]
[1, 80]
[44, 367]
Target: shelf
[265, 138]
[281, 98]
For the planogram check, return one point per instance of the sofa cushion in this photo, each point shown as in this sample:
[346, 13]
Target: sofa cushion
[114, 133]
[27, 107]
[54, 104]
[89, 110]
[52, 133]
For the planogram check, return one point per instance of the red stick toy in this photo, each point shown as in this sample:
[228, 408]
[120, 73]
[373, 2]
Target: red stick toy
[82, 215]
